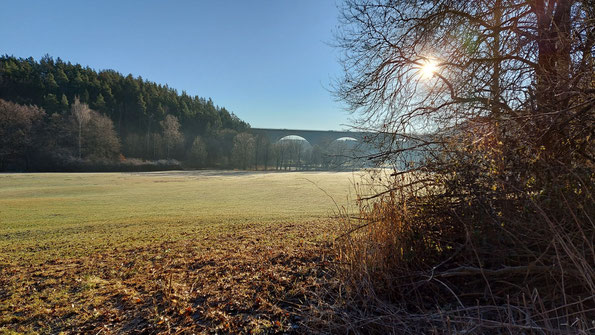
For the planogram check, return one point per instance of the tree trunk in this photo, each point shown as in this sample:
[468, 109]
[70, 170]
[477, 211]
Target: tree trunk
[552, 73]
[80, 137]
[495, 83]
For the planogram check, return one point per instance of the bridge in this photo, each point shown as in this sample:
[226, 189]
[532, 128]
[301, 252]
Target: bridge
[314, 137]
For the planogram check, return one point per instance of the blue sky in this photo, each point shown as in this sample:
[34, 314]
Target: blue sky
[267, 61]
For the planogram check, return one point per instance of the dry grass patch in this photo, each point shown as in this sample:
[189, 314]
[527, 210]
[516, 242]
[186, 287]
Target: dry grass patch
[176, 252]
[255, 280]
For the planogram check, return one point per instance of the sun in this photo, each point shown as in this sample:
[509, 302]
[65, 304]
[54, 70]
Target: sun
[428, 68]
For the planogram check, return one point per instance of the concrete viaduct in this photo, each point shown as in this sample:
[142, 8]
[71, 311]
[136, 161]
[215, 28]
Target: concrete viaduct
[320, 137]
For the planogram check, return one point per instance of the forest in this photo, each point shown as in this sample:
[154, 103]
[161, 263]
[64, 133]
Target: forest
[59, 116]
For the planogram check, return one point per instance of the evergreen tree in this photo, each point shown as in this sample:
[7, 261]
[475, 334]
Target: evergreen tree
[99, 102]
[135, 106]
[64, 103]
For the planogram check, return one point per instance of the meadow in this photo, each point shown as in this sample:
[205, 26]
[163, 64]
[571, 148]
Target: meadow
[175, 252]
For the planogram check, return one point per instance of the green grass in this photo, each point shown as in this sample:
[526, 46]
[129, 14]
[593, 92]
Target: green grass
[163, 252]
[60, 214]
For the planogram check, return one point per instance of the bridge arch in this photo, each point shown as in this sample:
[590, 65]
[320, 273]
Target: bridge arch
[346, 139]
[296, 139]
[314, 137]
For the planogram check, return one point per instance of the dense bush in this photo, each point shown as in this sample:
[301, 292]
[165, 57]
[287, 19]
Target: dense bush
[489, 229]
[19, 129]
[485, 236]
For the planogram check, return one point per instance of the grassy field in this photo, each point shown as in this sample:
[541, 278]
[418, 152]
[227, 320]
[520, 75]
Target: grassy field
[170, 252]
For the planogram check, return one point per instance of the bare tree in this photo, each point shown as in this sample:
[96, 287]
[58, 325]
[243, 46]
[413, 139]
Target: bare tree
[171, 133]
[198, 152]
[431, 65]
[262, 148]
[101, 138]
[486, 111]
[243, 149]
[17, 129]
[82, 115]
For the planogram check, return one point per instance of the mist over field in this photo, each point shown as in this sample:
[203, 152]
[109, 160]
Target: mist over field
[68, 212]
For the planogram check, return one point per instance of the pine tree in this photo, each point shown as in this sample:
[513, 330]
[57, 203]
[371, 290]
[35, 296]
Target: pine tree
[64, 103]
[99, 103]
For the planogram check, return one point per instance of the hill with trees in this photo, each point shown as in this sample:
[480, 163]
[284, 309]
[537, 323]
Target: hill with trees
[149, 121]
[58, 116]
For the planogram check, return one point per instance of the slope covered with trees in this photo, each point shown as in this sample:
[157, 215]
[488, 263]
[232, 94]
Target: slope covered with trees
[151, 121]
[64, 117]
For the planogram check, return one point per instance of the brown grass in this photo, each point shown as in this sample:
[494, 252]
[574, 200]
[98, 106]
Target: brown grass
[177, 252]
[421, 258]
[255, 280]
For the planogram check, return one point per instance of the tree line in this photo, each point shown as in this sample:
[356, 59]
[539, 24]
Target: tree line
[55, 115]
[258, 152]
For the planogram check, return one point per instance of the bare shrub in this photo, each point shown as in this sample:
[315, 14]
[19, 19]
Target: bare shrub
[463, 250]
[19, 126]
[484, 221]
[172, 136]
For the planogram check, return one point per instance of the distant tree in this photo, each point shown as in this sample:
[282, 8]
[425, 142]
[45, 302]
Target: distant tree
[50, 83]
[51, 102]
[58, 137]
[99, 103]
[171, 133]
[141, 105]
[64, 104]
[135, 106]
[17, 127]
[85, 96]
[135, 145]
[262, 150]
[243, 150]
[82, 115]
[220, 146]
[339, 153]
[157, 146]
[322, 153]
[281, 154]
[100, 137]
[198, 152]
[61, 77]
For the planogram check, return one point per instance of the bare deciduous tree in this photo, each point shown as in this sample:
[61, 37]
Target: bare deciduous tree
[495, 102]
[103, 142]
[17, 129]
[243, 150]
[430, 65]
[198, 152]
[171, 133]
[82, 115]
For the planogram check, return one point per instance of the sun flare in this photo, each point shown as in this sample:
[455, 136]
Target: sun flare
[428, 68]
